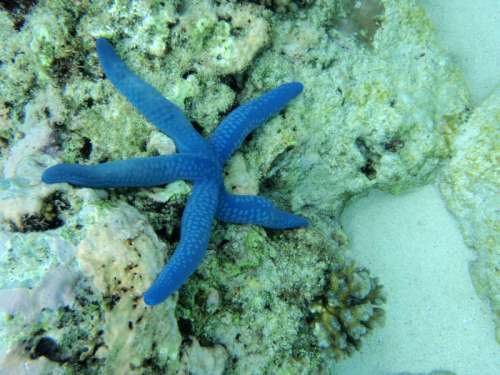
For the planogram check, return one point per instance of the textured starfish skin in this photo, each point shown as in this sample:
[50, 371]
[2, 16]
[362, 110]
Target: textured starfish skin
[199, 160]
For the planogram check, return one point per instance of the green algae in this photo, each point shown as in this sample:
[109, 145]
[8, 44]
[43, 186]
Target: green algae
[264, 286]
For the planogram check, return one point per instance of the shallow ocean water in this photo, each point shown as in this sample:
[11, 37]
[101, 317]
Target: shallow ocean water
[411, 242]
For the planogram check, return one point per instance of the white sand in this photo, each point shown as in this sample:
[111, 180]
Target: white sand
[434, 318]
[470, 30]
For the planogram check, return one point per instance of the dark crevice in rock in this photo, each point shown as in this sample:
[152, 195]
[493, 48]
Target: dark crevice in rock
[197, 126]
[185, 327]
[19, 9]
[86, 148]
[394, 145]
[48, 348]
[235, 81]
[369, 168]
[48, 218]
[282, 7]
[188, 73]
[165, 217]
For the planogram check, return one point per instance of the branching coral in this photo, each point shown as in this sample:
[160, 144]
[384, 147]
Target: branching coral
[349, 310]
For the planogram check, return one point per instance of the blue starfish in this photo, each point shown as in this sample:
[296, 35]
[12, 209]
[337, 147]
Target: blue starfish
[200, 161]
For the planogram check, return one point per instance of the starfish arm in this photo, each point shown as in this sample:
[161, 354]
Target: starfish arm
[195, 233]
[135, 172]
[250, 209]
[165, 115]
[231, 132]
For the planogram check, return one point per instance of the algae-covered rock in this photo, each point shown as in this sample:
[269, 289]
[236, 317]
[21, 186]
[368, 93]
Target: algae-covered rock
[252, 295]
[198, 360]
[79, 303]
[368, 117]
[471, 184]
[24, 204]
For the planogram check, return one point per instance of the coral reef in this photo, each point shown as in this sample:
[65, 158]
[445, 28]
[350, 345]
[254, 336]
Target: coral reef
[84, 314]
[198, 360]
[285, 5]
[380, 108]
[252, 295]
[200, 161]
[374, 126]
[350, 309]
[470, 184]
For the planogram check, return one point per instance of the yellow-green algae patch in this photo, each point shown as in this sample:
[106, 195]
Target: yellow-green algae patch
[471, 184]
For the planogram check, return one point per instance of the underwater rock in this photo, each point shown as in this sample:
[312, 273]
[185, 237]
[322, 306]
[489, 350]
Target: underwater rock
[368, 117]
[24, 204]
[26, 208]
[120, 255]
[200, 360]
[360, 19]
[470, 184]
[89, 309]
[38, 279]
[265, 286]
